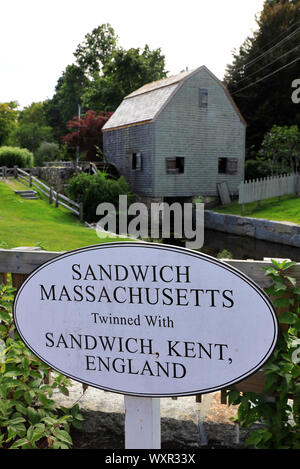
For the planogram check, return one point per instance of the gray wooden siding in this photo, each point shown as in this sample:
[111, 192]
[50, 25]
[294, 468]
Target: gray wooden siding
[201, 136]
[118, 147]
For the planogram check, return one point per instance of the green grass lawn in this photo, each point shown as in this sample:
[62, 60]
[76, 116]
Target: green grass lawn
[36, 223]
[285, 209]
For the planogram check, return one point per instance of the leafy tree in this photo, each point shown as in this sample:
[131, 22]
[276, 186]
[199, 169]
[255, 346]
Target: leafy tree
[64, 104]
[86, 133]
[54, 118]
[30, 136]
[91, 55]
[127, 71]
[101, 94]
[281, 147]
[97, 49]
[8, 119]
[33, 114]
[262, 72]
[30, 129]
[101, 77]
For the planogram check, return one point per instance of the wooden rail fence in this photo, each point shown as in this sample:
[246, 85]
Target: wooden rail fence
[20, 262]
[53, 196]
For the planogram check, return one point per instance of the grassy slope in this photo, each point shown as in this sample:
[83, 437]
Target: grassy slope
[287, 209]
[30, 222]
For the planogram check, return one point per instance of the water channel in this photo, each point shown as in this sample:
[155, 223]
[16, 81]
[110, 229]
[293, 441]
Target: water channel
[242, 247]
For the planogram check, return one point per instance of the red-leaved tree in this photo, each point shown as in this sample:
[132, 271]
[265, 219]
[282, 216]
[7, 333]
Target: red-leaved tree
[86, 134]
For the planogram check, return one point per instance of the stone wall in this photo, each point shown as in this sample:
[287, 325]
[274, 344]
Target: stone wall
[275, 231]
[57, 177]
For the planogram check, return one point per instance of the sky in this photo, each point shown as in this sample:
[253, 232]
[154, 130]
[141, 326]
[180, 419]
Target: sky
[38, 37]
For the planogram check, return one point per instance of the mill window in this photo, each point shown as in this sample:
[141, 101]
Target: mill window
[136, 161]
[175, 165]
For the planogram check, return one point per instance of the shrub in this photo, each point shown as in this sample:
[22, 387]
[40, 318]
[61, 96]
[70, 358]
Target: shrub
[280, 421]
[47, 151]
[257, 168]
[224, 254]
[29, 418]
[94, 189]
[11, 156]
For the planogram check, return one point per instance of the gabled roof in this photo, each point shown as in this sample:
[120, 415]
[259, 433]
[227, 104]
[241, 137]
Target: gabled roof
[144, 104]
[154, 85]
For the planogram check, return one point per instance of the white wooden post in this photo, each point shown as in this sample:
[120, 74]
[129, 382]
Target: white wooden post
[142, 423]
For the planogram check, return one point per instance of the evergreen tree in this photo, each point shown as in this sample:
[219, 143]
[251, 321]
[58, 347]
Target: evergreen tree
[263, 70]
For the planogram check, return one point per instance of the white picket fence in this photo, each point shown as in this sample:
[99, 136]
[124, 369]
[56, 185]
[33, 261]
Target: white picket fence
[267, 188]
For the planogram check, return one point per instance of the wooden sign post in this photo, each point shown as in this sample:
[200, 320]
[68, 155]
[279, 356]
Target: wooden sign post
[147, 321]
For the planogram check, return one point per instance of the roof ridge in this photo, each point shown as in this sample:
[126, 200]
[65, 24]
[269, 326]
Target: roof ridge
[167, 81]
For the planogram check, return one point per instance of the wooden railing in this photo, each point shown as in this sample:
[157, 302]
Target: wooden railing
[20, 262]
[52, 195]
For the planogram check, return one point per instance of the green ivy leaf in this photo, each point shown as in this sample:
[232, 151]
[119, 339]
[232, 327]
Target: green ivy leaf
[271, 271]
[287, 265]
[288, 318]
[16, 421]
[296, 372]
[280, 287]
[282, 302]
[21, 408]
[11, 434]
[271, 379]
[297, 324]
[64, 390]
[13, 373]
[29, 396]
[292, 280]
[276, 264]
[29, 433]
[78, 425]
[49, 420]
[62, 435]
[19, 443]
[33, 416]
[254, 439]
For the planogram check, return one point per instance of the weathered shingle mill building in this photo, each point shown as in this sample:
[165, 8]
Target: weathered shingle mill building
[178, 137]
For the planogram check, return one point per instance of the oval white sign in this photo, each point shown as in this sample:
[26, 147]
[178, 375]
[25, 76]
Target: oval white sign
[146, 319]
